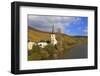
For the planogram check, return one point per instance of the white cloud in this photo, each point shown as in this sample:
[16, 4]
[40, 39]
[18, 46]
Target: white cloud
[86, 29]
[45, 23]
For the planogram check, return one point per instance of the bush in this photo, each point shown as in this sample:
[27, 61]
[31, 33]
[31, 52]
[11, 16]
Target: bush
[36, 48]
[44, 55]
[34, 56]
[51, 50]
[37, 53]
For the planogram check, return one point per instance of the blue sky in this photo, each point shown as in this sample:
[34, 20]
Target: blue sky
[70, 25]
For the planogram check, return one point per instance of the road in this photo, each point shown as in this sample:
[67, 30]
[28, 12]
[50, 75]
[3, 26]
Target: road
[80, 51]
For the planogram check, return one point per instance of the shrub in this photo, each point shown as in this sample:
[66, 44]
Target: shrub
[34, 56]
[36, 48]
[51, 50]
[44, 55]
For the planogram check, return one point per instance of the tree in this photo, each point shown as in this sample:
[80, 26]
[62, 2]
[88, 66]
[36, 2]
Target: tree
[34, 54]
[51, 49]
[36, 48]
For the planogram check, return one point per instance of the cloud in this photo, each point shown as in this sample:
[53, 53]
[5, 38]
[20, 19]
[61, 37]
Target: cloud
[85, 30]
[71, 25]
[45, 23]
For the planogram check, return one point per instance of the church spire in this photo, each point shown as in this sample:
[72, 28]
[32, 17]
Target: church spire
[52, 29]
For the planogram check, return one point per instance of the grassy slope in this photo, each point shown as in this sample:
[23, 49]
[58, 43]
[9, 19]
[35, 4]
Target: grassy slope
[68, 43]
[36, 35]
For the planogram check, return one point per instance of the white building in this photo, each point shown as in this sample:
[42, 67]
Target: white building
[30, 45]
[53, 37]
[42, 44]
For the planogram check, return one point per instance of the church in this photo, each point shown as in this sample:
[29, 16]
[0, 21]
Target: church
[53, 36]
[44, 43]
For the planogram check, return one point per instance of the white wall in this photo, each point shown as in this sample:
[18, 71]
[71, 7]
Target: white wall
[5, 27]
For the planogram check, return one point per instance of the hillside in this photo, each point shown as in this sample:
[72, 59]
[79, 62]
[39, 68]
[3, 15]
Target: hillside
[36, 35]
[50, 52]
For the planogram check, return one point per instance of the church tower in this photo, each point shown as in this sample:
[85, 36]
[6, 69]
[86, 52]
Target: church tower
[53, 36]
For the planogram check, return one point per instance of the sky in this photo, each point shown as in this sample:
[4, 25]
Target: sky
[70, 25]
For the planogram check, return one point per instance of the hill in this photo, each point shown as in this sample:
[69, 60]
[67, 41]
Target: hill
[50, 52]
[37, 35]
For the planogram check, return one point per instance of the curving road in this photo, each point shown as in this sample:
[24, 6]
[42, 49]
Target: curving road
[80, 51]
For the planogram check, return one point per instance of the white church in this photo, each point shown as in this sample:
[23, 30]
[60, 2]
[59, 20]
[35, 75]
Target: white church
[42, 44]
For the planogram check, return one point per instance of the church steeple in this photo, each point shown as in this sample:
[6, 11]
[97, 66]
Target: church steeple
[53, 29]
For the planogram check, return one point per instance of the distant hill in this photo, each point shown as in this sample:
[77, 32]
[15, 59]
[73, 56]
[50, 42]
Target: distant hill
[80, 36]
[37, 35]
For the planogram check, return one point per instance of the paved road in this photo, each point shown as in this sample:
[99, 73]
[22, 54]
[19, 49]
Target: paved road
[80, 51]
